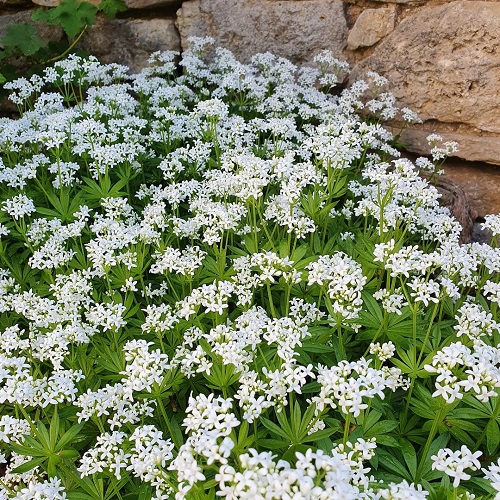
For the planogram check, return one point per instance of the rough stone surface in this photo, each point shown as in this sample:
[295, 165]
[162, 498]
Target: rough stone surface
[406, 2]
[296, 29]
[9, 3]
[444, 62]
[454, 197]
[480, 183]
[470, 147]
[148, 4]
[410, 2]
[130, 41]
[371, 26]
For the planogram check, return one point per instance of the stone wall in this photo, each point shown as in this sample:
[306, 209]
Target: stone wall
[442, 57]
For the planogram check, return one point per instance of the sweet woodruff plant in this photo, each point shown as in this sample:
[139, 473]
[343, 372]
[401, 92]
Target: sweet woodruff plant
[221, 280]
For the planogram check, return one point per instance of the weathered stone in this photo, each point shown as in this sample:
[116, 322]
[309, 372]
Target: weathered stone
[480, 182]
[407, 2]
[371, 26]
[130, 41]
[9, 3]
[295, 29]
[415, 2]
[470, 147]
[444, 62]
[148, 4]
[454, 197]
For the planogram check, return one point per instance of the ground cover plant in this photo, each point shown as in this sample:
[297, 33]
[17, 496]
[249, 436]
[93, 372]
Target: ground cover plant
[223, 281]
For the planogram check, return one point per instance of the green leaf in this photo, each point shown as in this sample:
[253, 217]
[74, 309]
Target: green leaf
[371, 419]
[373, 307]
[409, 455]
[78, 495]
[391, 463]
[69, 435]
[54, 429]
[275, 429]
[176, 435]
[382, 427]
[492, 436]
[23, 38]
[274, 444]
[73, 16]
[27, 466]
[318, 435]
[145, 492]
[112, 7]
[316, 348]
[387, 441]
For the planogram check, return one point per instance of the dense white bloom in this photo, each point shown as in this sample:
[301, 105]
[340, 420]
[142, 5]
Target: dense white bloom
[347, 384]
[19, 206]
[453, 463]
[461, 369]
[344, 281]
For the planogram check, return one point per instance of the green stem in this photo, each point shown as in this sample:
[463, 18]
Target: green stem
[347, 425]
[427, 334]
[69, 49]
[438, 419]
[271, 303]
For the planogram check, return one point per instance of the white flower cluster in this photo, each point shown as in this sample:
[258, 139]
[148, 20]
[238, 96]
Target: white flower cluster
[209, 421]
[346, 384]
[343, 280]
[396, 195]
[461, 370]
[173, 260]
[493, 474]
[454, 463]
[144, 453]
[474, 322]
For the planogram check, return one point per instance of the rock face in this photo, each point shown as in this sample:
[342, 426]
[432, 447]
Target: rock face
[130, 41]
[444, 63]
[147, 4]
[8, 3]
[371, 26]
[408, 2]
[296, 29]
[480, 183]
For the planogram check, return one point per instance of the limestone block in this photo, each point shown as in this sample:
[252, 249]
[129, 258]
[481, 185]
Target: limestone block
[403, 1]
[147, 4]
[371, 26]
[444, 62]
[11, 3]
[408, 2]
[294, 29]
[130, 41]
[481, 184]
[470, 147]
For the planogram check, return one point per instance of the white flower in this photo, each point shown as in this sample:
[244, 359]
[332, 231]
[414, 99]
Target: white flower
[453, 463]
[19, 206]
